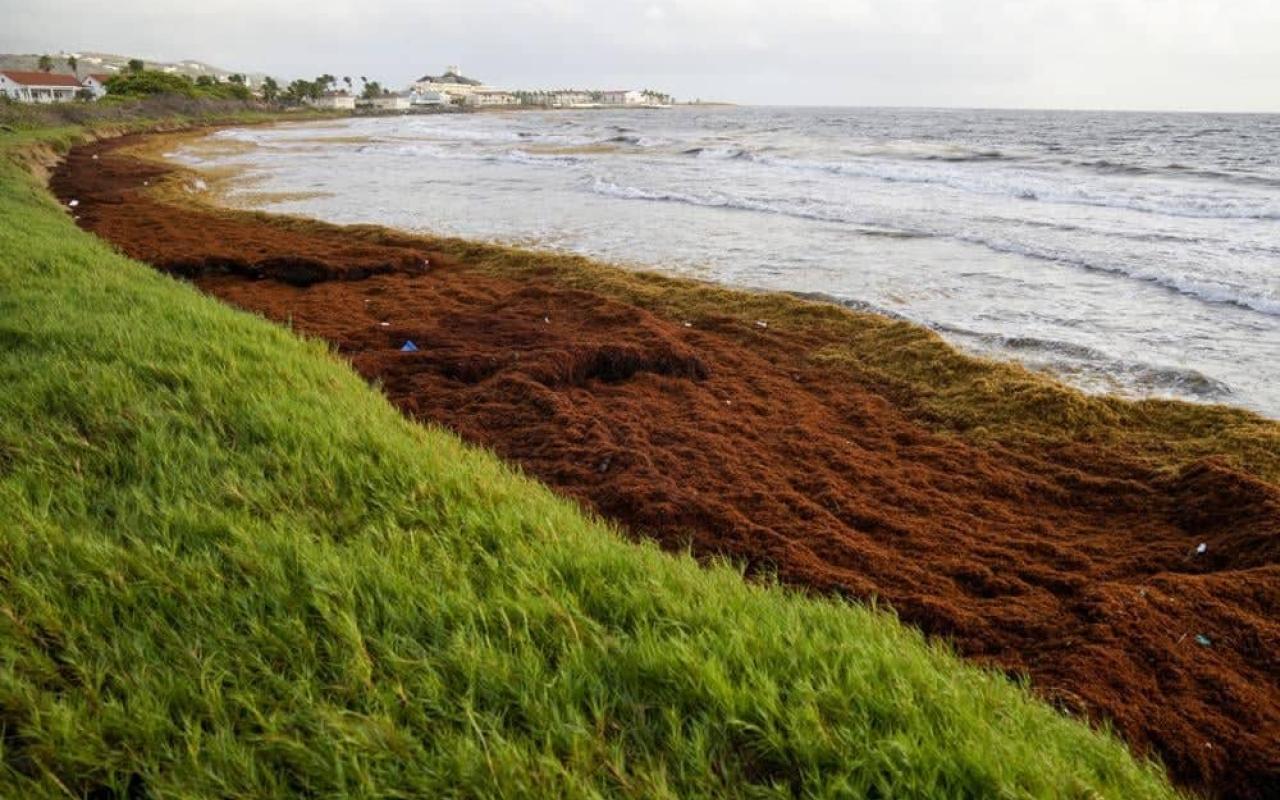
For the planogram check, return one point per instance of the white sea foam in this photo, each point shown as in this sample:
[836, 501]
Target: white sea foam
[1263, 300]
[1154, 198]
[1098, 370]
[1131, 252]
[518, 156]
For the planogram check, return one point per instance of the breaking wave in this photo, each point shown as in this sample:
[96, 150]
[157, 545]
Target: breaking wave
[1094, 368]
[1026, 185]
[1256, 299]
[1145, 240]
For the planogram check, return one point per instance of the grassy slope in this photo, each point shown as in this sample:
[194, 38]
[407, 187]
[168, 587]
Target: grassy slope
[229, 568]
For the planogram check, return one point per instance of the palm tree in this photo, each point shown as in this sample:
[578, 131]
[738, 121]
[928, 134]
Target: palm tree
[46, 64]
[270, 89]
[347, 80]
[73, 63]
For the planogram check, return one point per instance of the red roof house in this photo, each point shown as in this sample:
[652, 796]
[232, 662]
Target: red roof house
[39, 87]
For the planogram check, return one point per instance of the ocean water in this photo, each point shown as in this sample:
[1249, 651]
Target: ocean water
[1124, 252]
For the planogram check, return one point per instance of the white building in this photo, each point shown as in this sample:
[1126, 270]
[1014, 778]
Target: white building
[337, 101]
[97, 83]
[39, 87]
[490, 99]
[452, 84]
[622, 97]
[387, 102]
[569, 99]
[428, 98]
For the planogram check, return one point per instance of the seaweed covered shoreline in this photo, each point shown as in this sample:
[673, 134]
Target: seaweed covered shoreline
[763, 430]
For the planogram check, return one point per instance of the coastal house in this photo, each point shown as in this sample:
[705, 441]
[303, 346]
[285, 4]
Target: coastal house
[338, 101]
[453, 84]
[96, 82]
[387, 102]
[622, 97]
[490, 99]
[39, 87]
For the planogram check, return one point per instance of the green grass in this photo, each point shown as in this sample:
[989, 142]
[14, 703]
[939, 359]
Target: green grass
[228, 568]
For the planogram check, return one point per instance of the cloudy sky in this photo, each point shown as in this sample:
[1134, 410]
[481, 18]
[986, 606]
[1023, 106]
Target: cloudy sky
[1137, 54]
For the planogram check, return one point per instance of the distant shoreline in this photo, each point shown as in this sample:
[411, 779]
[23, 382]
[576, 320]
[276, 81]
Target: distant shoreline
[442, 110]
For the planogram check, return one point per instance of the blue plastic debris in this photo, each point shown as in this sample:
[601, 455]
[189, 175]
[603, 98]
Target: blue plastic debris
[1202, 640]
[409, 347]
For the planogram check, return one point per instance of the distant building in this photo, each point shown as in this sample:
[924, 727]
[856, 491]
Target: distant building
[569, 99]
[340, 101]
[622, 97]
[452, 84]
[39, 87]
[430, 97]
[490, 99]
[388, 102]
[97, 83]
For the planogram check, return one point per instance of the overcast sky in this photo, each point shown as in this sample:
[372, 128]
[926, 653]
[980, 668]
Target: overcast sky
[1135, 54]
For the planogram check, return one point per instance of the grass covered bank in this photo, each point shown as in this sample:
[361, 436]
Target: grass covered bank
[230, 568]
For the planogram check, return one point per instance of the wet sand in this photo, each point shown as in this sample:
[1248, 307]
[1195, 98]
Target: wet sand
[1075, 565]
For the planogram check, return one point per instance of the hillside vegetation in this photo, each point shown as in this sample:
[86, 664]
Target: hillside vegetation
[229, 568]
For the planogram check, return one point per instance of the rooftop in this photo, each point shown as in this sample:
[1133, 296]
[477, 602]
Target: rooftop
[41, 78]
[450, 76]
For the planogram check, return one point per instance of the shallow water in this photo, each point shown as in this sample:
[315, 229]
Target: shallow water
[1136, 253]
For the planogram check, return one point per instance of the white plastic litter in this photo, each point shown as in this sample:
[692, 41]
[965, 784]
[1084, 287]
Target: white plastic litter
[1201, 548]
[73, 203]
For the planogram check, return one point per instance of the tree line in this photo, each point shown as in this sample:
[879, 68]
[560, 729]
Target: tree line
[136, 80]
[301, 90]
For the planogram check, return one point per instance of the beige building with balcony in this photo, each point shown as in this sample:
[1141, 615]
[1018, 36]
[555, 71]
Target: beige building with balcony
[490, 99]
[623, 97]
[452, 84]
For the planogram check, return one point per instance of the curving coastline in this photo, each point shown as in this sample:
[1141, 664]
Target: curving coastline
[671, 409]
[1106, 298]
